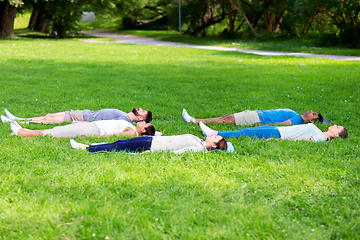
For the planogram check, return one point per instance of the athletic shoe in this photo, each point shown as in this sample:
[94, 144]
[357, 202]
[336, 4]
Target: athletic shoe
[187, 117]
[74, 144]
[5, 119]
[9, 115]
[15, 127]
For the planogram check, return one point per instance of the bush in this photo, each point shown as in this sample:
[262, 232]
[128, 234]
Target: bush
[326, 40]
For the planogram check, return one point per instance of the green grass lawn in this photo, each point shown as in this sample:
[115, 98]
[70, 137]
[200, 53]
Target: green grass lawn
[266, 190]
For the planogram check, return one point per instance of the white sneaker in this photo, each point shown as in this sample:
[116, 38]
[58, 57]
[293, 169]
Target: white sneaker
[187, 117]
[5, 119]
[15, 127]
[206, 130]
[74, 144]
[9, 115]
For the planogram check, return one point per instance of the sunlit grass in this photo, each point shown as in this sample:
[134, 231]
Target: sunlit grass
[266, 190]
[22, 20]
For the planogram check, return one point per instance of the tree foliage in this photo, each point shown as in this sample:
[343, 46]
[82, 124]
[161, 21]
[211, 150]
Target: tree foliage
[338, 21]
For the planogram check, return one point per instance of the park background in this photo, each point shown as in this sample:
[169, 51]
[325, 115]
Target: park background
[266, 190]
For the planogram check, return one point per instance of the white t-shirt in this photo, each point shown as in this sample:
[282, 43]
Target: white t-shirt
[300, 132]
[111, 127]
[177, 143]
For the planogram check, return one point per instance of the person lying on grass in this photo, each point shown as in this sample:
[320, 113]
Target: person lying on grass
[247, 117]
[97, 128]
[136, 115]
[176, 144]
[307, 132]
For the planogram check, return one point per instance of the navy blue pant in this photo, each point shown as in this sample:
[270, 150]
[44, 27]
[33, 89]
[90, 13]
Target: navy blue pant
[255, 132]
[138, 144]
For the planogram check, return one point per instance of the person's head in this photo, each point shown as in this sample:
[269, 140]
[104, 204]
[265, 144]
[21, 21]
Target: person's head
[142, 115]
[311, 117]
[145, 128]
[337, 131]
[215, 142]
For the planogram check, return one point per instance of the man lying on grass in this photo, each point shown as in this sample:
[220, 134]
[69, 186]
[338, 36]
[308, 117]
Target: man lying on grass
[176, 144]
[136, 115]
[247, 117]
[307, 132]
[97, 128]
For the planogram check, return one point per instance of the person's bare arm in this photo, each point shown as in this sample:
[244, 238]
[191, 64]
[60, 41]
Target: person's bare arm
[128, 132]
[287, 122]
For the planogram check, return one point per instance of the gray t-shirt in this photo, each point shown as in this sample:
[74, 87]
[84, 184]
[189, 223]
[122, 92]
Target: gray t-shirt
[300, 132]
[105, 114]
[177, 143]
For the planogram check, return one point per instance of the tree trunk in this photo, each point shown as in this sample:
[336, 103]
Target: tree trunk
[231, 21]
[308, 23]
[41, 17]
[279, 21]
[34, 15]
[7, 17]
[244, 16]
[272, 22]
[43, 22]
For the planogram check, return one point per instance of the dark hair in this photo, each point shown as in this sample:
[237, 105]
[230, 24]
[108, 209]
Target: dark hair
[221, 144]
[344, 133]
[149, 117]
[319, 119]
[150, 130]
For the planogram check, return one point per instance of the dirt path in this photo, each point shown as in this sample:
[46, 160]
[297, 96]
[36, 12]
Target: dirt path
[131, 39]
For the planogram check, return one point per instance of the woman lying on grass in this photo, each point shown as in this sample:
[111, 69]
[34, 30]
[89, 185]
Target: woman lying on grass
[97, 128]
[307, 132]
[176, 144]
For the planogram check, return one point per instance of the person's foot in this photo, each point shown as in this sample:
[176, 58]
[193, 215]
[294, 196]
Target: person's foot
[5, 119]
[74, 144]
[77, 146]
[187, 117]
[9, 115]
[15, 127]
[206, 130]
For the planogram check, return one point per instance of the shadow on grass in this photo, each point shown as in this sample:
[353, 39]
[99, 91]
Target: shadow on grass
[26, 33]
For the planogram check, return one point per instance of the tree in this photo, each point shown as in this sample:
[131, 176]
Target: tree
[245, 18]
[345, 16]
[61, 15]
[41, 16]
[7, 16]
[300, 16]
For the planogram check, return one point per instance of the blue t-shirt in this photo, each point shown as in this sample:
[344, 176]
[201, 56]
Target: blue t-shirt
[280, 115]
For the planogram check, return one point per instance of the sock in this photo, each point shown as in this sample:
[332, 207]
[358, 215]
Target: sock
[206, 130]
[74, 144]
[14, 128]
[16, 124]
[5, 119]
[187, 117]
[9, 115]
